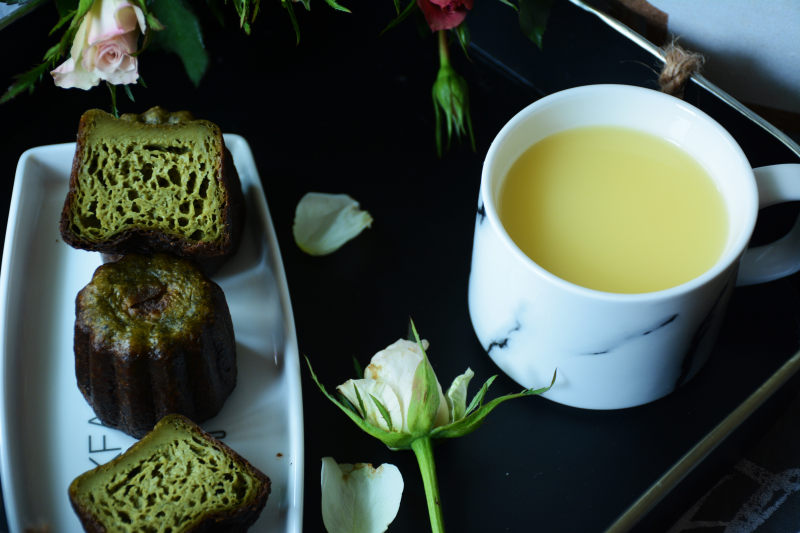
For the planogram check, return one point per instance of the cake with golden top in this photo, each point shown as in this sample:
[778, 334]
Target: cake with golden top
[153, 336]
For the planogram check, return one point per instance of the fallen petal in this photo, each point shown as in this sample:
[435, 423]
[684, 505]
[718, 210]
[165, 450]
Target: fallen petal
[324, 222]
[359, 498]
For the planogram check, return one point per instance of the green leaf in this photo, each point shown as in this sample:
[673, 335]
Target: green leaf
[401, 16]
[471, 422]
[25, 81]
[181, 35]
[66, 17]
[533, 15]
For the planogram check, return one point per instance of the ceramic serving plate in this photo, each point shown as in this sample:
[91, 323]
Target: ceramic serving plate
[49, 434]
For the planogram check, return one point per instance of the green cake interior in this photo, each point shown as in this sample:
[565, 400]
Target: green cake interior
[138, 176]
[166, 483]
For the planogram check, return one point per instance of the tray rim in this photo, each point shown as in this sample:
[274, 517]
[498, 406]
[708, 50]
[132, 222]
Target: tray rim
[295, 478]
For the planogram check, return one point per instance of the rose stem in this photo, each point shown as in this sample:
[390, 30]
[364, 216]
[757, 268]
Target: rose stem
[424, 451]
[444, 50]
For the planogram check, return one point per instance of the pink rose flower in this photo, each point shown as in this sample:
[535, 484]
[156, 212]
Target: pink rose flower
[104, 46]
[444, 14]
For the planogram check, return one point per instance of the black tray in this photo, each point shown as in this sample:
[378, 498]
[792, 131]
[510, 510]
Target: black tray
[349, 111]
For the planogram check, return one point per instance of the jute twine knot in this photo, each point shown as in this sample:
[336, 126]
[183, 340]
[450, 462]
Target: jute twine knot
[679, 66]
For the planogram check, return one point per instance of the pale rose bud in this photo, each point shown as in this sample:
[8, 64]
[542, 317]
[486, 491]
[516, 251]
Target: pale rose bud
[104, 46]
[390, 378]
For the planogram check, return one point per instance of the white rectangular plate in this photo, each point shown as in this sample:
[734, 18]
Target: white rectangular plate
[49, 434]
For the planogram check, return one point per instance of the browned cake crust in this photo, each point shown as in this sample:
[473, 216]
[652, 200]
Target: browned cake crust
[147, 240]
[128, 466]
[153, 336]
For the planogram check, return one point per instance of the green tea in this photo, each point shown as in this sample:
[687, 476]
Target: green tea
[614, 209]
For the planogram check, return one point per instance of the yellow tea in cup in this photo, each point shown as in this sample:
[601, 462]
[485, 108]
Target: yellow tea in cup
[614, 209]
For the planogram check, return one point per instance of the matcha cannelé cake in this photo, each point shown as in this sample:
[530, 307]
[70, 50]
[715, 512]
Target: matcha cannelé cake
[153, 336]
[177, 479]
[155, 182]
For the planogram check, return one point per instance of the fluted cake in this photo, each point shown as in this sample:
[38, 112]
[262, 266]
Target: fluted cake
[177, 479]
[153, 336]
[155, 182]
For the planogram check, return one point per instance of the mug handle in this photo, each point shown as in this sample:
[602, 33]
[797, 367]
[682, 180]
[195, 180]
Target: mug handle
[776, 184]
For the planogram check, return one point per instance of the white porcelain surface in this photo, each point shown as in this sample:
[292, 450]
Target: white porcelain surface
[49, 434]
[610, 350]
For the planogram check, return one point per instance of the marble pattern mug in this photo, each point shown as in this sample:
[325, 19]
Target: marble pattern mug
[618, 350]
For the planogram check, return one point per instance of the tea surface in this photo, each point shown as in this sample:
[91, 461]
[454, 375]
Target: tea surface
[614, 209]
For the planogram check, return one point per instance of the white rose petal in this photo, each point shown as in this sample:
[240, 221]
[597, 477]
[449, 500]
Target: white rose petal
[396, 365]
[324, 222]
[359, 498]
[385, 394]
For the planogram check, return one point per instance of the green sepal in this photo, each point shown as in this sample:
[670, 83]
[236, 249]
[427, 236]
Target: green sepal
[533, 15]
[450, 95]
[247, 11]
[128, 92]
[152, 22]
[509, 4]
[113, 90]
[337, 6]
[473, 420]
[394, 440]
[359, 370]
[424, 402]
[462, 34]
[287, 4]
[383, 411]
[477, 400]
[361, 407]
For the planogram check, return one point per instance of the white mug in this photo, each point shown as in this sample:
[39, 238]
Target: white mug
[618, 350]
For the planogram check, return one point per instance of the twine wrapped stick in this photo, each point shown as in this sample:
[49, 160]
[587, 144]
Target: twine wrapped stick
[679, 65]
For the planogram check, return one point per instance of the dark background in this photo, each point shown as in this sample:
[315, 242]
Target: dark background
[349, 110]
